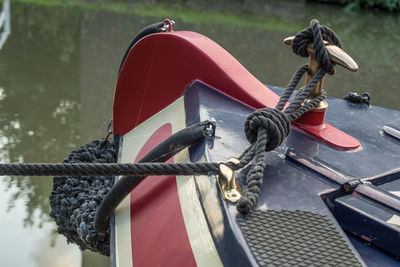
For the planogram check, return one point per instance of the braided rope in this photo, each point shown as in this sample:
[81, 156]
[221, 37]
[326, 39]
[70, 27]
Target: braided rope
[316, 34]
[74, 199]
[267, 127]
[93, 169]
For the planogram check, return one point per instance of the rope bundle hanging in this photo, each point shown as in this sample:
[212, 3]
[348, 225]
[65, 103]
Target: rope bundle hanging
[75, 200]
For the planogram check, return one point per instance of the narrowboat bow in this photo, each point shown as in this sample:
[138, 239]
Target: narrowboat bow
[329, 195]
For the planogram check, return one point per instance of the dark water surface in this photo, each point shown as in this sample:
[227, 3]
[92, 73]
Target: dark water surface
[59, 66]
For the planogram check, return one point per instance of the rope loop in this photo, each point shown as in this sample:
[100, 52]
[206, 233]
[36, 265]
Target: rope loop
[267, 128]
[247, 202]
[316, 34]
[276, 123]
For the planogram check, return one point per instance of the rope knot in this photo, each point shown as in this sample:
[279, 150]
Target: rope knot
[316, 34]
[275, 122]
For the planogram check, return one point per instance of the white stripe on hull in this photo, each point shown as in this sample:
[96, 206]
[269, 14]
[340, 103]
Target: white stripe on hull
[197, 229]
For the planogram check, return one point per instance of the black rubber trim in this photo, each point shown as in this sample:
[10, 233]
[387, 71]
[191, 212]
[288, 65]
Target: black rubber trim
[154, 28]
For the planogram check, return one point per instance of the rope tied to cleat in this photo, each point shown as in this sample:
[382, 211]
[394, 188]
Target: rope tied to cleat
[266, 128]
[83, 213]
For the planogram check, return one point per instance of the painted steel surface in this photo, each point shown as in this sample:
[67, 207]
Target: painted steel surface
[157, 225]
[299, 176]
[302, 174]
[313, 123]
[161, 222]
[161, 66]
[292, 183]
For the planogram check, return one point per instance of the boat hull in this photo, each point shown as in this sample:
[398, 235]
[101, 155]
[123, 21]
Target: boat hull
[327, 206]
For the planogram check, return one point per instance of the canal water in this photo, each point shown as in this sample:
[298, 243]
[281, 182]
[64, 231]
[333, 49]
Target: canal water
[60, 62]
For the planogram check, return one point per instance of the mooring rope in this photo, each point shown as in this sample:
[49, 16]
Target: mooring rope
[268, 127]
[265, 129]
[93, 169]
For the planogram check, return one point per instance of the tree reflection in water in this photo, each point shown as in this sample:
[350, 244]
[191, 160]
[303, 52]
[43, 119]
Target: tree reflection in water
[39, 107]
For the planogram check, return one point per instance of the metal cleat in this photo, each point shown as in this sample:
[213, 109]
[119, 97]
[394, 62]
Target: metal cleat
[337, 55]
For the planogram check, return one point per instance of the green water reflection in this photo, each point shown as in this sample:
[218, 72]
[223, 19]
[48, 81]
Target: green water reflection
[59, 65]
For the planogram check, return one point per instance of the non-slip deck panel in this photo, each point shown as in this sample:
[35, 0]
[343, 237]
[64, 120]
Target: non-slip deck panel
[295, 238]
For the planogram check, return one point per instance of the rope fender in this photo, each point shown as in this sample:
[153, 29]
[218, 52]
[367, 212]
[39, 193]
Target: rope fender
[74, 199]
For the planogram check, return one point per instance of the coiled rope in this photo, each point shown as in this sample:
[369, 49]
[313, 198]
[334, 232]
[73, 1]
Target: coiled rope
[265, 129]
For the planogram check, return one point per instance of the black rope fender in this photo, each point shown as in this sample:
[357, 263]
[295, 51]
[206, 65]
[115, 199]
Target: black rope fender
[76, 201]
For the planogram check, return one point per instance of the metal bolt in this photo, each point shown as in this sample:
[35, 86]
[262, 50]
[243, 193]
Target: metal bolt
[209, 129]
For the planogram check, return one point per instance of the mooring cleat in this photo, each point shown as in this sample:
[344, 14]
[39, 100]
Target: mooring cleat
[313, 122]
[336, 54]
